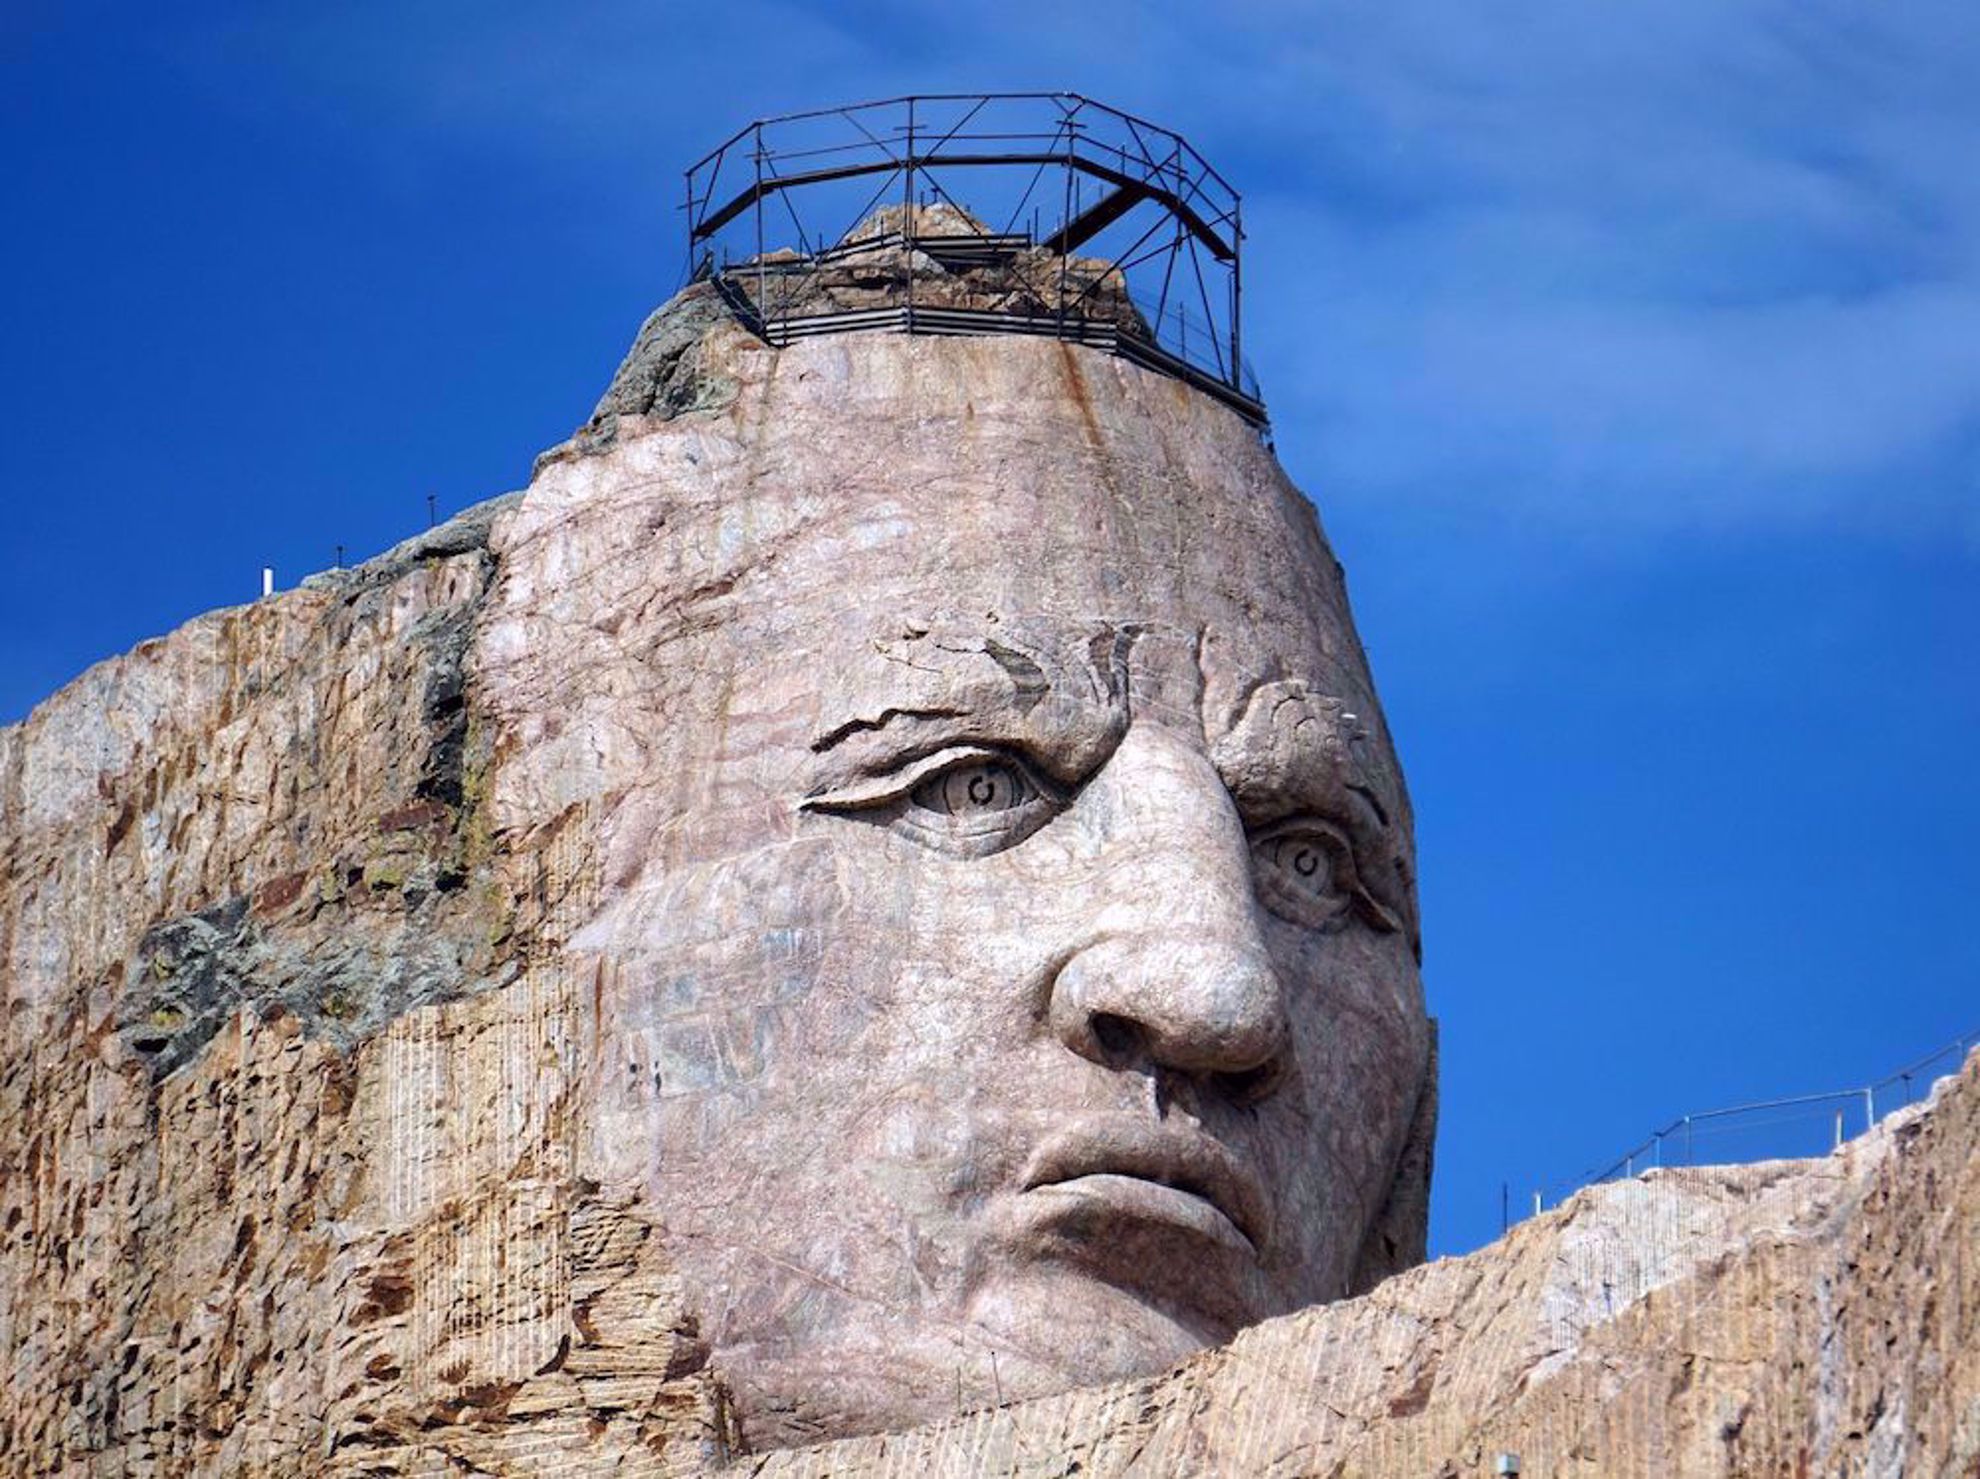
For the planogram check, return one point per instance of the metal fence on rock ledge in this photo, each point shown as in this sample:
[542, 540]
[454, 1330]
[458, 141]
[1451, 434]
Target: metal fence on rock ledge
[1769, 1129]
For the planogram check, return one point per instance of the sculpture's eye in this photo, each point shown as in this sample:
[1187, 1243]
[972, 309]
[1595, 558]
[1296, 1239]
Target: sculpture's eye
[1304, 874]
[975, 789]
[969, 801]
[974, 803]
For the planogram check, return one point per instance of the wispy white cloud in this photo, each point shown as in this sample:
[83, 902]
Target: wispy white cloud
[1638, 265]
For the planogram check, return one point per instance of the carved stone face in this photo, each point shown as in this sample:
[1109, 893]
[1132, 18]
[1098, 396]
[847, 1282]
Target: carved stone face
[1007, 936]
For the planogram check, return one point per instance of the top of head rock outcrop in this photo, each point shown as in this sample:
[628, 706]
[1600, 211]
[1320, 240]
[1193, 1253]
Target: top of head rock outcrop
[676, 361]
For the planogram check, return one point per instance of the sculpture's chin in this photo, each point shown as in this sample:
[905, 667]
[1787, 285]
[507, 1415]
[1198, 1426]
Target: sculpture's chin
[1038, 1331]
[1084, 1330]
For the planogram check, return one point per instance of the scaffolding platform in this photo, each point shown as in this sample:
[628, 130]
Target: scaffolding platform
[1082, 223]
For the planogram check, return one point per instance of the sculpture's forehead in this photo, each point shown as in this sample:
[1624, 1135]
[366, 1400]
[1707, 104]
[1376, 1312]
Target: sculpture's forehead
[1189, 591]
[1009, 513]
[1169, 598]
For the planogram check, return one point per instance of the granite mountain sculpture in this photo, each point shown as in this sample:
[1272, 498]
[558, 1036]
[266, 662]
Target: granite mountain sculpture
[878, 881]
[877, 886]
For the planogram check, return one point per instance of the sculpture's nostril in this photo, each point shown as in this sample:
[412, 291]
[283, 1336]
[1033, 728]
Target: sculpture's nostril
[1249, 1085]
[1117, 1036]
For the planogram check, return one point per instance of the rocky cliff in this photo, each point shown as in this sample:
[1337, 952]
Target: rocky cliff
[321, 1122]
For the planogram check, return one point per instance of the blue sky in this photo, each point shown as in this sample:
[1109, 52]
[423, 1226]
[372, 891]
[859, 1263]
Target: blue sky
[1631, 351]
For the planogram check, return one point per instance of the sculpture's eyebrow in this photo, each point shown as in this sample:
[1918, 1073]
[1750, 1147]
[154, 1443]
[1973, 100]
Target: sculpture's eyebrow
[972, 687]
[933, 686]
[832, 738]
[1289, 741]
[1293, 749]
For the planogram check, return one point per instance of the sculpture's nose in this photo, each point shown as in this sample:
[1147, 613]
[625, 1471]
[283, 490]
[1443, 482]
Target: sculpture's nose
[1177, 975]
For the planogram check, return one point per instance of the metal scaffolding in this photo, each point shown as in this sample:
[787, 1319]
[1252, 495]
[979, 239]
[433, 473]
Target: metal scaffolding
[1083, 223]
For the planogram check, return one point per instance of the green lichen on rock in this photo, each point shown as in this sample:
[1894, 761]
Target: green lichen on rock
[386, 873]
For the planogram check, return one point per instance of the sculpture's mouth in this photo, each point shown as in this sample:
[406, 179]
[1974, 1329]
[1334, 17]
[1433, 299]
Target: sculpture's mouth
[1157, 1173]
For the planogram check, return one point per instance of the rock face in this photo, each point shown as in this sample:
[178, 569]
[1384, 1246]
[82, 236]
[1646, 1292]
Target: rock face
[282, 1110]
[877, 887]
[880, 875]
[1005, 885]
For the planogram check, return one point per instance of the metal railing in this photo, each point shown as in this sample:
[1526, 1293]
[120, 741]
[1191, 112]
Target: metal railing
[1767, 1129]
[1102, 207]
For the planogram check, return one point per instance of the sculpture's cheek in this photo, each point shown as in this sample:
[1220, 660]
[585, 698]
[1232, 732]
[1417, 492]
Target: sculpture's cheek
[1335, 1132]
[820, 1030]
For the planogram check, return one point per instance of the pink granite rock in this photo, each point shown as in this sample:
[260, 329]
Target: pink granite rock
[881, 876]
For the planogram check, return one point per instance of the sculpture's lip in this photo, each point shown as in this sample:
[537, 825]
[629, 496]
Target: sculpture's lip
[1169, 1156]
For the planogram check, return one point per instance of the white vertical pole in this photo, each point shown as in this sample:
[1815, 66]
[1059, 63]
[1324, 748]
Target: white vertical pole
[268, 580]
